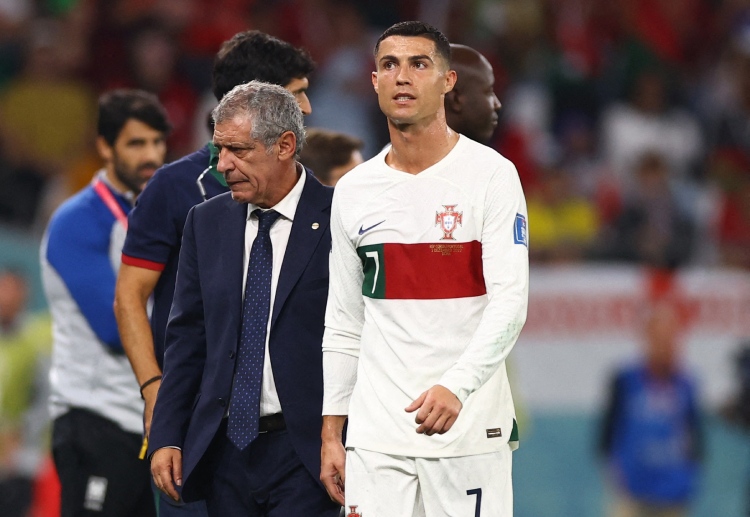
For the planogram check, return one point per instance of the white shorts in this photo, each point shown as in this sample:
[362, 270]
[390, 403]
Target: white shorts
[380, 485]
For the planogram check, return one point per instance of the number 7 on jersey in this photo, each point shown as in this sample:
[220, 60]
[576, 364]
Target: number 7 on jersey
[373, 267]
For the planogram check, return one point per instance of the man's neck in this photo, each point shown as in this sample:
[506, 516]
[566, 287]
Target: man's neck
[414, 149]
[114, 182]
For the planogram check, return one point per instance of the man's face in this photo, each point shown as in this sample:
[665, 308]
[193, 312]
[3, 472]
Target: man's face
[479, 102]
[662, 333]
[255, 173]
[13, 295]
[298, 88]
[136, 154]
[411, 79]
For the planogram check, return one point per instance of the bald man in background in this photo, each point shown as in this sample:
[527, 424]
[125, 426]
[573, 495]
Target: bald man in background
[471, 107]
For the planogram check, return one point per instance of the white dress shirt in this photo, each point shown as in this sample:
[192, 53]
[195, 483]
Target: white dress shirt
[280, 231]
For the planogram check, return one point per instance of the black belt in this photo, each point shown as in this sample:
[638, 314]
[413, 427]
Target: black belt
[271, 423]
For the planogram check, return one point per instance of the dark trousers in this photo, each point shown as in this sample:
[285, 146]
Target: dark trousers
[15, 496]
[267, 479]
[100, 473]
[168, 507]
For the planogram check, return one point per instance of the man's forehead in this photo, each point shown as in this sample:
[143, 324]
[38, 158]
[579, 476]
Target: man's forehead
[233, 128]
[234, 122]
[137, 129]
[405, 46]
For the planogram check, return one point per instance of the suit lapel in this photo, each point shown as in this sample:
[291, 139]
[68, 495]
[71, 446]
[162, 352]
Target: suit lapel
[230, 256]
[302, 240]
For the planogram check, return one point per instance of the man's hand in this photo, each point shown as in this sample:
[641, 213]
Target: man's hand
[166, 469]
[333, 458]
[438, 410]
[332, 462]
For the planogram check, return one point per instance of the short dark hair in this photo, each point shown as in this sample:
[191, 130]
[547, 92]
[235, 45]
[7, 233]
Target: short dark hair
[256, 56]
[325, 150]
[425, 30]
[116, 107]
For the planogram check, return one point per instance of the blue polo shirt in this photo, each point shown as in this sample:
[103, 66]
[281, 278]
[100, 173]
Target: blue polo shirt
[155, 229]
[656, 438]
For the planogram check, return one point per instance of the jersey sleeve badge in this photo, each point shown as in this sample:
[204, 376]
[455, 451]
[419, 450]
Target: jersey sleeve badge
[520, 231]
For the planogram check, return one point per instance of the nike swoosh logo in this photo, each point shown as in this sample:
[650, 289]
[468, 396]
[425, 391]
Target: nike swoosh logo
[363, 230]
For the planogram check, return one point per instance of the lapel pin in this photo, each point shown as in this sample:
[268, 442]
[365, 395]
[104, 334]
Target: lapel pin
[315, 226]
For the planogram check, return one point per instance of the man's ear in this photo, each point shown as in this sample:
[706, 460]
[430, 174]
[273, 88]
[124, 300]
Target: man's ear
[375, 81]
[104, 149]
[450, 80]
[287, 143]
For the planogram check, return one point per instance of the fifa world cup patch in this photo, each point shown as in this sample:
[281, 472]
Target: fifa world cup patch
[520, 231]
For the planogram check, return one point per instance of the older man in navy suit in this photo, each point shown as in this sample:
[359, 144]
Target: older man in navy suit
[238, 413]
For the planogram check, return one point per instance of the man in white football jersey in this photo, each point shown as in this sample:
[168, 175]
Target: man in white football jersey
[428, 294]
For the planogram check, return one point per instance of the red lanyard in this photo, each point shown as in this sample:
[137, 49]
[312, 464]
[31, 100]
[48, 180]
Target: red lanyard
[106, 196]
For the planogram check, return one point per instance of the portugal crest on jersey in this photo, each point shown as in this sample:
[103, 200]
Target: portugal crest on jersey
[353, 511]
[448, 220]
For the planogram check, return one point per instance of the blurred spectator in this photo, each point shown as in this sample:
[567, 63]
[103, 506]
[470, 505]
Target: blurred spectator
[591, 176]
[46, 122]
[175, 15]
[21, 192]
[342, 91]
[672, 29]
[14, 14]
[729, 163]
[562, 225]
[581, 34]
[652, 228]
[651, 436]
[516, 27]
[525, 137]
[734, 227]
[511, 35]
[330, 155]
[737, 410]
[731, 126]
[24, 362]
[153, 59]
[648, 123]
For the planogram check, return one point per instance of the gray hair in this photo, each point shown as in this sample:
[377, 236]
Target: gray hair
[272, 110]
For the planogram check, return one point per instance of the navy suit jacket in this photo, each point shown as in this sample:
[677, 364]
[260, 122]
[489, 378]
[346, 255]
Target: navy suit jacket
[205, 322]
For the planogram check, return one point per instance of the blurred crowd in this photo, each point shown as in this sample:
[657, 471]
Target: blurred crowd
[25, 346]
[628, 120]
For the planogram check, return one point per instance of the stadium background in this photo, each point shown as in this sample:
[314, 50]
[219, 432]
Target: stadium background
[589, 88]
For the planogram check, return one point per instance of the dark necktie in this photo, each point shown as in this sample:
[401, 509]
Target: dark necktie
[244, 411]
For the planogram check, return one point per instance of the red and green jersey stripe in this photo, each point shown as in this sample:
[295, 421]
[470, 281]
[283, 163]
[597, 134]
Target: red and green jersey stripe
[425, 271]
